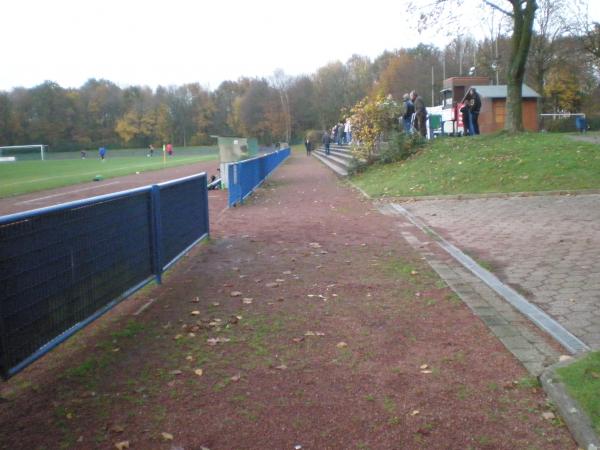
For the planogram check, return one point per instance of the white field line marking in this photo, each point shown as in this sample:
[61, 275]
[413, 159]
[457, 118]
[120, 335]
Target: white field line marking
[116, 169]
[34, 200]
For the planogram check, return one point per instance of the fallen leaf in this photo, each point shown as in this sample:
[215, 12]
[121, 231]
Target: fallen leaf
[191, 334]
[235, 294]
[565, 358]
[548, 415]
[298, 339]
[272, 285]
[122, 445]
[414, 272]
[217, 340]
[215, 303]
[287, 272]
[341, 345]
[426, 371]
[415, 412]
[177, 337]
[69, 416]
[236, 377]
[239, 317]
[189, 358]
[176, 372]
[281, 367]
[247, 300]
[199, 372]
[196, 300]
[424, 366]
[167, 436]
[195, 313]
[314, 245]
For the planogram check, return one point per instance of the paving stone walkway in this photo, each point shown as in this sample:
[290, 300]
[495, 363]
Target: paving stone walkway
[548, 248]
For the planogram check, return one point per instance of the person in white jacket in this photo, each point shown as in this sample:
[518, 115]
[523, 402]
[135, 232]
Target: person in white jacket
[348, 131]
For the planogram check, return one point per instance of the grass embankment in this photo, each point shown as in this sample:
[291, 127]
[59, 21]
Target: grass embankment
[583, 383]
[497, 163]
[22, 177]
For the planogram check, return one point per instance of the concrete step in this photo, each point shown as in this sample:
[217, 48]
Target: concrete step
[344, 163]
[342, 151]
[340, 170]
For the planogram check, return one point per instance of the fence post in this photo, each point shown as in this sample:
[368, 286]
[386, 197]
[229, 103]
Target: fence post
[205, 200]
[156, 233]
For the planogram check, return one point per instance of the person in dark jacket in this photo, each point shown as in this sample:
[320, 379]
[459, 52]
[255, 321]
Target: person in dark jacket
[326, 141]
[308, 146]
[420, 113]
[408, 109]
[474, 108]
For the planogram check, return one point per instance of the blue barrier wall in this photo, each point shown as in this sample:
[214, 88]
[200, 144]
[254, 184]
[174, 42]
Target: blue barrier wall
[245, 176]
[62, 267]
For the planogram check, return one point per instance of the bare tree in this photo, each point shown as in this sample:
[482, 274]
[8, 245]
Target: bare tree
[522, 15]
[281, 82]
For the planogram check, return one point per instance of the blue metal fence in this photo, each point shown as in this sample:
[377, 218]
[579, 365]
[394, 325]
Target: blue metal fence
[63, 266]
[245, 176]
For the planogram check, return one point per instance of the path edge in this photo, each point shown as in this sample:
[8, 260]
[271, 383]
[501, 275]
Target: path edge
[575, 418]
[577, 421]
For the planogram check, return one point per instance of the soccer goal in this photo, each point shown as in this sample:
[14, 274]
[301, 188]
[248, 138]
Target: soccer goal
[19, 152]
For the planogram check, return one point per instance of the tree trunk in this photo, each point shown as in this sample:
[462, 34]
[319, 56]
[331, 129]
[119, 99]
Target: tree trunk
[521, 40]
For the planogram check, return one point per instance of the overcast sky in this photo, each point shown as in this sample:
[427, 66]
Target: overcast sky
[134, 42]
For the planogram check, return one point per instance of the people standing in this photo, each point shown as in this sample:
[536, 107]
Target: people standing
[340, 133]
[102, 153]
[466, 115]
[420, 113]
[348, 131]
[326, 141]
[308, 146]
[474, 109]
[408, 109]
[170, 149]
[150, 151]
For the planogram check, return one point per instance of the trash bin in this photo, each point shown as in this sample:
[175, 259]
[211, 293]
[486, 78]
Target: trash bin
[580, 124]
[435, 121]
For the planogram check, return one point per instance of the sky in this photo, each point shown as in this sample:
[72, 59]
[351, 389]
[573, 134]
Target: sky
[152, 43]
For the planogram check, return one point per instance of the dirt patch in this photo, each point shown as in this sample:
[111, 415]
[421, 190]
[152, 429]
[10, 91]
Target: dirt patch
[314, 325]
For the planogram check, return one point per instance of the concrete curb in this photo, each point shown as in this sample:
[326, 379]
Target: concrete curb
[490, 195]
[578, 423]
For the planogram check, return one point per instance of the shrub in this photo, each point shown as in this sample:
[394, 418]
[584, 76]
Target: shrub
[400, 146]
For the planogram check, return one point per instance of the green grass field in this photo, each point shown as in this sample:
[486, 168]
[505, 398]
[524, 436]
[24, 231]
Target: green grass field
[489, 164]
[21, 177]
[583, 383]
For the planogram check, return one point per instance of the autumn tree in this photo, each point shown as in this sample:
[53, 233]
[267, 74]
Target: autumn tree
[331, 85]
[139, 120]
[303, 105]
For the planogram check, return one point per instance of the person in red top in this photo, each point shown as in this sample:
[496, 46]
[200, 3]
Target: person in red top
[170, 149]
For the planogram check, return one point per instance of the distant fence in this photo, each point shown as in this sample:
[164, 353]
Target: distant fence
[63, 266]
[245, 176]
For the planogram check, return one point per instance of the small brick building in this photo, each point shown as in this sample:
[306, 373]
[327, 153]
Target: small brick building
[493, 104]
[493, 108]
